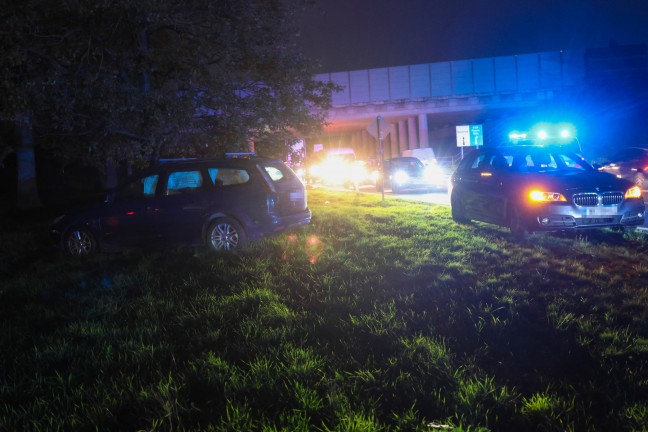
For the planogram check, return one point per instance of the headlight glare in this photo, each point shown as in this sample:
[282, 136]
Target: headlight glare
[633, 192]
[541, 196]
[400, 176]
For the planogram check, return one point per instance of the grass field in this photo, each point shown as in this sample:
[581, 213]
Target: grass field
[378, 316]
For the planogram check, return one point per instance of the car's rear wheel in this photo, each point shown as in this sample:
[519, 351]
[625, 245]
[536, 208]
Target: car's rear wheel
[458, 211]
[79, 241]
[517, 224]
[225, 234]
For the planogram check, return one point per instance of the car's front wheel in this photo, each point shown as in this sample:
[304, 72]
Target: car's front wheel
[517, 224]
[225, 234]
[80, 242]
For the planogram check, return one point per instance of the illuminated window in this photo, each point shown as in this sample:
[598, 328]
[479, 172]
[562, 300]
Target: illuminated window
[228, 176]
[274, 173]
[184, 182]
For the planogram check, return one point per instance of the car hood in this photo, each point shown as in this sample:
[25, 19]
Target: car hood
[577, 181]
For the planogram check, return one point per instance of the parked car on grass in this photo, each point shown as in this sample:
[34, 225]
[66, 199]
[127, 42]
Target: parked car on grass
[409, 173]
[219, 203]
[541, 188]
[629, 163]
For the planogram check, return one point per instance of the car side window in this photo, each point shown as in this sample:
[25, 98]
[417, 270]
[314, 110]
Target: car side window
[274, 173]
[479, 162]
[181, 182]
[543, 161]
[137, 189]
[228, 176]
[570, 162]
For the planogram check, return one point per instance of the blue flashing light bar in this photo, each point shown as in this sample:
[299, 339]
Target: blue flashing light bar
[563, 133]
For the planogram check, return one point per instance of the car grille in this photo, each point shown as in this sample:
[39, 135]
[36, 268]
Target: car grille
[592, 199]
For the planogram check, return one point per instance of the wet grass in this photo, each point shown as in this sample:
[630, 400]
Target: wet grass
[378, 316]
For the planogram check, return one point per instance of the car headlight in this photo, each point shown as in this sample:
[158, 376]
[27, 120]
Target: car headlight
[433, 173]
[541, 196]
[633, 192]
[400, 177]
[358, 174]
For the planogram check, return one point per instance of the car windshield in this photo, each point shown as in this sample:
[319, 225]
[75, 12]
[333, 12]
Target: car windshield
[406, 163]
[545, 160]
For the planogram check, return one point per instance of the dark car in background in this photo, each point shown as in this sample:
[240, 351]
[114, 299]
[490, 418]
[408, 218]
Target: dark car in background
[219, 203]
[629, 163]
[541, 188]
[410, 174]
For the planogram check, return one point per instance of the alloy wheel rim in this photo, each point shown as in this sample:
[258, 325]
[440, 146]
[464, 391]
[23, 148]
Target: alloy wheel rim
[79, 243]
[224, 237]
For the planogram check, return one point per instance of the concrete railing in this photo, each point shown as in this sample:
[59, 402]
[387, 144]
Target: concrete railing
[493, 75]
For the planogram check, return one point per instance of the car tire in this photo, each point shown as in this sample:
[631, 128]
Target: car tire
[458, 211]
[225, 235]
[80, 242]
[640, 180]
[519, 228]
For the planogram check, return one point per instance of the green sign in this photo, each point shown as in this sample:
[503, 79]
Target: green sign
[470, 135]
[476, 135]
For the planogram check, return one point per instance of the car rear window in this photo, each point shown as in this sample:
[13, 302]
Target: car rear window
[277, 172]
[274, 173]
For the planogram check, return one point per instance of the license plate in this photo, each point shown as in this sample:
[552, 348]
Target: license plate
[600, 211]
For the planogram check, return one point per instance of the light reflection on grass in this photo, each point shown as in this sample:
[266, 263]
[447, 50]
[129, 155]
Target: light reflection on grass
[376, 316]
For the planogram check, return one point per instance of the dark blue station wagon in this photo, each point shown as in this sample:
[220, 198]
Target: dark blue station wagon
[218, 203]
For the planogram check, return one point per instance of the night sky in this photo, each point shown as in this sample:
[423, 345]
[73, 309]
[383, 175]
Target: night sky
[357, 34]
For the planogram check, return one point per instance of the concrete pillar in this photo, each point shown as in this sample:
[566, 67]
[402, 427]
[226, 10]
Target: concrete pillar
[393, 140]
[412, 141]
[356, 142]
[402, 136]
[366, 146]
[424, 139]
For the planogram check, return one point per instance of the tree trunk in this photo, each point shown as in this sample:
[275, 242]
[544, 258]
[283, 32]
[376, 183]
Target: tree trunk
[27, 193]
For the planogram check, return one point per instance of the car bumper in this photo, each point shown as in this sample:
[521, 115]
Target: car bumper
[278, 224]
[554, 218]
[420, 185]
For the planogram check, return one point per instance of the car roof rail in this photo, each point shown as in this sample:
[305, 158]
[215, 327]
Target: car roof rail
[170, 160]
[240, 155]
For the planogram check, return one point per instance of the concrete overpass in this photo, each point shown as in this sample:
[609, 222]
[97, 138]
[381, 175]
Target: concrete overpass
[423, 103]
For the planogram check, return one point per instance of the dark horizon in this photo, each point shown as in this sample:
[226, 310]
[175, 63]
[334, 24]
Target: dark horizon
[363, 34]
